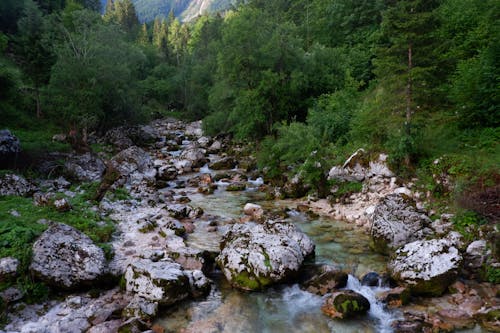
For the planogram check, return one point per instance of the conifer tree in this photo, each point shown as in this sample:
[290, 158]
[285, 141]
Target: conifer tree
[143, 35]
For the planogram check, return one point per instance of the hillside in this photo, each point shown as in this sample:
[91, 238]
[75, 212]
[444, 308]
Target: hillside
[147, 10]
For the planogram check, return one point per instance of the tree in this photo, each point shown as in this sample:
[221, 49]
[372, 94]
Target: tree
[92, 84]
[143, 38]
[126, 15]
[405, 59]
[33, 52]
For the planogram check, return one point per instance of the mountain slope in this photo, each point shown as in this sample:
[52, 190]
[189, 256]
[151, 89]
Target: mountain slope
[148, 10]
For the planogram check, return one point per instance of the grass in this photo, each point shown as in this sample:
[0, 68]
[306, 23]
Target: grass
[18, 233]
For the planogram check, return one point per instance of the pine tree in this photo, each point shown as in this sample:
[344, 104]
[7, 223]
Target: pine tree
[126, 15]
[110, 11]
[405, 59]
[143, 35]
[157, 32]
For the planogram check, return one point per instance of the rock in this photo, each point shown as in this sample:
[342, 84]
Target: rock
[140, 308]
[371, 279]
[61, 137]
[475, 256]
[178, 211]
[183, 166]
[255, 256]
[84, 168]
[9, 144]
[215, 147]
[208, 189]
[176, 226]
[8, 268]
[326, 282]
[133, 325]
[196, 156]
[199, 283]
[194, 129]
[15, 185]
[11, 295]
[134, 165]
[410, 324]
[62, 205]
[427, 267]
[295, 188]
[43, 199]
[357, 168]
[66, 258]
[396, 222]
[163, 281]
[206, 179]
[127, 136]
[118, 138]
[395, 298]
[189, 259]
[254, 211]
[106, 327]
[235, 187]
[167, 173]
[345, 304]
[223, 164]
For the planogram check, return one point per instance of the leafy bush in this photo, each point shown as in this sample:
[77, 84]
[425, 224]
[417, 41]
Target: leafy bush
[491, 274]
[468, 223]
[345, 189]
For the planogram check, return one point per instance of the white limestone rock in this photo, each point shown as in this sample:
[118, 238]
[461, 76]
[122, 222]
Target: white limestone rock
[427, 266]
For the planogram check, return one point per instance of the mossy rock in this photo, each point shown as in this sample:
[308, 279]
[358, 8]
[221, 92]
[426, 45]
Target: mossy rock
[236, 187]
[345, 304]
[247, 281]
[326, 282]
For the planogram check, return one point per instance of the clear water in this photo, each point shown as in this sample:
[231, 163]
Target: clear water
[284, 308]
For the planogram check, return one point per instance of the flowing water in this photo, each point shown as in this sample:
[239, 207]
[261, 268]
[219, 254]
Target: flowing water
[284, 308]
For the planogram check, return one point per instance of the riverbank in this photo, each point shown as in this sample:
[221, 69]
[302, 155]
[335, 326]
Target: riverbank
[169, 218]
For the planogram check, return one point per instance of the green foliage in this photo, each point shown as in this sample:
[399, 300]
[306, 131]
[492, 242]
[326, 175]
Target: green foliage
[474, 89]
[345, 189]
[468, 223]
[492, 274]
[17, 234]
[92, 84]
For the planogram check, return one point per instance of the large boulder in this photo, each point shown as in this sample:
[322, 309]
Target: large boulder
[66, 258]
[345, 304]
[84, 168]
[127, 136]
[360, 166]
[9, 144]
[256, 256]
[396, 222]
[223, 164]
[196, 156]
[428, 267]
[164, 281]
[134, 165]
[15, 185]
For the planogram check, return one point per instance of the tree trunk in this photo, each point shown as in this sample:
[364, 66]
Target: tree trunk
[408, 101]
[38, 103]
[409, 91]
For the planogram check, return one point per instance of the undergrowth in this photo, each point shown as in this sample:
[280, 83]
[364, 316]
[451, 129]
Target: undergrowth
[20, 228]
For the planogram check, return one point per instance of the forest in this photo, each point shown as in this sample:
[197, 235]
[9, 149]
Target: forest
[307, 81]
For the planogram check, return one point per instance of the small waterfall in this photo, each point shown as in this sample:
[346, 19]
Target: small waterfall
[205, 169]
[257, 182]
[377, 309]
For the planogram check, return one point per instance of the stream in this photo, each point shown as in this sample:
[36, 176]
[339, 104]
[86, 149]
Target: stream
[283, 308]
